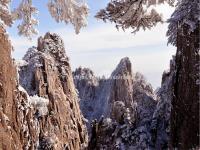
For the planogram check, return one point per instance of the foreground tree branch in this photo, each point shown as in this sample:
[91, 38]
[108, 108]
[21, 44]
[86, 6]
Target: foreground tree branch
[134, 14]
[68, 11]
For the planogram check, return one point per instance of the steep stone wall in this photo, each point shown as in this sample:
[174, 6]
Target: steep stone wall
[7, 95]
[185, 103]
[42, 112]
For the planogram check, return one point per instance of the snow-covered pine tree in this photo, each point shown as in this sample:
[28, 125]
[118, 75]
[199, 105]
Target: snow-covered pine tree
[68, 11]
[134, 14]
[187, 13]
[5, 15]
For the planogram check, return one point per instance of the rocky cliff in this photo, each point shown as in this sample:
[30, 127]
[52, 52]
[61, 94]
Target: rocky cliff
[137, 118]
[88, 89]
[141, 123]
[185, 102]
[39, 107]
[126, 103]
[178, 109]
[160, 124]
[97, 96]
[9, 124]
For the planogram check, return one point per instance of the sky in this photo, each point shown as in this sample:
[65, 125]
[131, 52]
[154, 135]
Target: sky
[100, 46]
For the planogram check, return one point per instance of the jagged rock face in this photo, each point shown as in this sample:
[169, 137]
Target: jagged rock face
[16, 117]
[87, 83]
[47, 78]
[144, 99]
[47, 115]
[160, 125]
[7, 95]
[98, 95]
[127, 102]
[127, 129]
[87, 86]
[185, 103]
[176, 118]
[121, 82]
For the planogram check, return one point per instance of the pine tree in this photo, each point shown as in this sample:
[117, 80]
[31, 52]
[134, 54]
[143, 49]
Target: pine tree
[5, 15]
[187, 13]
[68, 11]
[135, 14]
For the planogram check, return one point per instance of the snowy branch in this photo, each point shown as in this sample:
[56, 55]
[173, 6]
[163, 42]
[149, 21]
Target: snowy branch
[133, 14]
[5, 14]
[25, 12]
[186, 13]
[68, 11]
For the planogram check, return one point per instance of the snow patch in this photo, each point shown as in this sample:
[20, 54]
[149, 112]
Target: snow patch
[21, 63]
[40, 103]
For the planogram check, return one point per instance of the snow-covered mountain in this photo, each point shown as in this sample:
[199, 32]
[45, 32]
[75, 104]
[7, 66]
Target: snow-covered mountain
[124, 111]
[39, 106]
[143, 123]
[137, 118]
[97, 95]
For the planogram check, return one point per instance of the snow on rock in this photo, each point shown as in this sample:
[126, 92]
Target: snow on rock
[21, 63]
[47, 78]
[8, 92]
[144, 98]
[40, 103]
[126, 101]
[160, 125]
[121, 84]
[149, 124]
[98, 95]
[124, 66]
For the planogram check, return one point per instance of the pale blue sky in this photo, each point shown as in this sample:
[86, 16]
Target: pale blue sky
[100, 46]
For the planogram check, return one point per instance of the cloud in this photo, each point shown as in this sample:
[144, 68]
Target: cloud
[150, 61]
[107, 37]
[20, 45]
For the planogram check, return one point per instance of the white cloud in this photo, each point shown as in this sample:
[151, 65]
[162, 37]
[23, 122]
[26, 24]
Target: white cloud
[107, 37]
[150, 61]
[21, 44]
